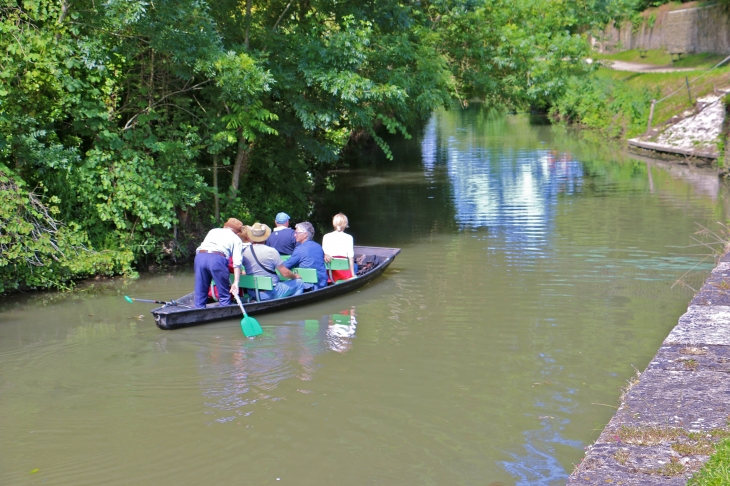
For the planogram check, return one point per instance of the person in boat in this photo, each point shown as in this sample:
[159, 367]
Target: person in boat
[211, 262]
[282, 239]
[308, 254]
[262, 260]
[244, 236]
[213, 289]
[340, 245]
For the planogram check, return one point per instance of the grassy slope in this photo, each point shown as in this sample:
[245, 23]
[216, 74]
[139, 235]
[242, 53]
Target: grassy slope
[661, 58]
[667, 83]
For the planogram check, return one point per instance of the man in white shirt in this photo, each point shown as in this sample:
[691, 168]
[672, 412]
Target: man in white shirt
[211, 262]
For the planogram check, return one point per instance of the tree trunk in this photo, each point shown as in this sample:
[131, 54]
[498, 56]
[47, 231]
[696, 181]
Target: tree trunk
[62, 16]
[248, 21]
[215, 187]
[240, 167]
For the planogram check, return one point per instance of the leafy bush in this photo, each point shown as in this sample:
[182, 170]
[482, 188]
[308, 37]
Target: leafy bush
[37, 251]
[603, 104]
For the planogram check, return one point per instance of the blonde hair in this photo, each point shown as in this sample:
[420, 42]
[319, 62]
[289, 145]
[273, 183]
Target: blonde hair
[339, 222]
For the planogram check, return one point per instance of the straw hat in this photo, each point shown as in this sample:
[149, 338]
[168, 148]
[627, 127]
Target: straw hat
[258, 232]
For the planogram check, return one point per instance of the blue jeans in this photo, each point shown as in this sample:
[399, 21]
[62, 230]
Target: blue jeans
[211, 266]
[285, 288]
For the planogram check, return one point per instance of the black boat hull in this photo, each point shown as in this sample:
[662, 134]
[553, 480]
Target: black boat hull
[174, 317]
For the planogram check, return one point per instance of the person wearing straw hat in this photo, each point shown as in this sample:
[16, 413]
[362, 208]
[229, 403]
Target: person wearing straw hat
[282, 238]
[211, 262]
[262, 260]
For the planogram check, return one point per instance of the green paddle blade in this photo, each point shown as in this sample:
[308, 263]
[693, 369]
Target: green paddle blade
[250, 326]
[129, 299]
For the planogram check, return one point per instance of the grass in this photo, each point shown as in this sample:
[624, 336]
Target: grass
[684, 443]
[647, 436]
[665, 83]
[672, 468]
[693, 350]
[702, 446]
[700, 61]
[716, 471]
[621, 456]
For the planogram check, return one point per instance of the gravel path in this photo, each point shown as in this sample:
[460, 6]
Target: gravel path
[635, 67]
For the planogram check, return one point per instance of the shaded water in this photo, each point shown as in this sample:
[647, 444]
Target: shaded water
[536, 272]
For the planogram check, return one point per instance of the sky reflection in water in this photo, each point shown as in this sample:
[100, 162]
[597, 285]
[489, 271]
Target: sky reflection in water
[508, 191]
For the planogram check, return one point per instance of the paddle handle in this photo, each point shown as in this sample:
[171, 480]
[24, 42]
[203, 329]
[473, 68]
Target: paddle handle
[238, 300]
[132, 299]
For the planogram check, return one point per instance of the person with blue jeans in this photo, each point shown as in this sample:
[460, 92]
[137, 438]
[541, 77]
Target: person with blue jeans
[261, 260]
[308, 254]
[211, 262]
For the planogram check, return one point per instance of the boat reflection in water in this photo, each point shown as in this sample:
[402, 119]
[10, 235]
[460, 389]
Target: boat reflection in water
[340, 331]
[239, 377]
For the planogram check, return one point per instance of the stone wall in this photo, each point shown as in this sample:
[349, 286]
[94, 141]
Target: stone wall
[690, 30]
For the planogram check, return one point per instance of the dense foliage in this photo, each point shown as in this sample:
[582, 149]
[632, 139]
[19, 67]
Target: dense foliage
[131, 124]
[613, 108]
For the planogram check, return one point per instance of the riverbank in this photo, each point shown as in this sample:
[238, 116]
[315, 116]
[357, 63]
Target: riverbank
[659, 107]
[673, 413]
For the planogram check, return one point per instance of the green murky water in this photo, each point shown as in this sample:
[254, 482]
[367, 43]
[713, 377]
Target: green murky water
[536, 272]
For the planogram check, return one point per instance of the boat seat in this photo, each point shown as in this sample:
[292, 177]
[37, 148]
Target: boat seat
[337, 264]
[309, 275]
[256, 282]
[285, 257]
[340, 319]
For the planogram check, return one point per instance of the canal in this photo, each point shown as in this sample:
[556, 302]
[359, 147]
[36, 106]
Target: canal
[539, 270]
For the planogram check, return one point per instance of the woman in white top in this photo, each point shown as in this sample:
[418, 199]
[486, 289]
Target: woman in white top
[339, 244]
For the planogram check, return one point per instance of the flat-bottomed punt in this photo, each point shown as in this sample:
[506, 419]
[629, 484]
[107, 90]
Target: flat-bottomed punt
[184, 314]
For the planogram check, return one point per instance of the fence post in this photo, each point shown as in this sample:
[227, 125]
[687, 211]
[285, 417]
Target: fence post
[689, 94]
[651, 116]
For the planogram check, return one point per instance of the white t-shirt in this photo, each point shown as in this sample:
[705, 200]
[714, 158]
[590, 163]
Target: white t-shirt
[223, 240]
[338, 243]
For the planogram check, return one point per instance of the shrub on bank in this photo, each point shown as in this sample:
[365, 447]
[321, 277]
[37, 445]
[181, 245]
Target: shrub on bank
[604, 104]
[39, 252]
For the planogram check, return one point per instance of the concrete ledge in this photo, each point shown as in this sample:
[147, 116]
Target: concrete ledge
[710, 154]
[702, 325]
[685, 389]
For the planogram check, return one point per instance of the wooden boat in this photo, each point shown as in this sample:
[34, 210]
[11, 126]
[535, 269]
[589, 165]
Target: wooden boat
[184, 314]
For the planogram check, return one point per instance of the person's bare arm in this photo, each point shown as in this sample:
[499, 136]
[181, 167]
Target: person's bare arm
[286, 273]
[236, 279]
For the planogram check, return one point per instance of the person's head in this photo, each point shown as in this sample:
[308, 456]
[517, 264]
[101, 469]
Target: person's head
[244, 234]
[304, 231]
[339, 222]
[235, 225]
[282, 219]
[258, 233]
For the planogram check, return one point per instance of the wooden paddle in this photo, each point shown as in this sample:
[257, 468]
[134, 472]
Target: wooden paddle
[249, 325]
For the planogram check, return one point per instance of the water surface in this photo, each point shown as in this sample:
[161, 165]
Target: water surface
[536, 274]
